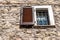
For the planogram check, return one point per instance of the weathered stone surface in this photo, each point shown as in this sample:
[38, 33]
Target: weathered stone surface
[46, 38]
[10, 20]
[1, 38]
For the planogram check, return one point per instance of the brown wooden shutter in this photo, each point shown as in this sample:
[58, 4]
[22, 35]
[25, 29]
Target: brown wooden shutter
[27, 16]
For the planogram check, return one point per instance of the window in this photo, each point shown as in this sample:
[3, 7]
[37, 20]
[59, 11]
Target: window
[42, 17]
[38, 16]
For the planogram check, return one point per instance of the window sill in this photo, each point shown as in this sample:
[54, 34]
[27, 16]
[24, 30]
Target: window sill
[44, 26]
[37, 26]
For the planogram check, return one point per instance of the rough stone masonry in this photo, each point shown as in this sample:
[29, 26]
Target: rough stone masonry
[10, 21]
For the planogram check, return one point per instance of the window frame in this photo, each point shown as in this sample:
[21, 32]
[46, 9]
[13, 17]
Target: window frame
[50, 14]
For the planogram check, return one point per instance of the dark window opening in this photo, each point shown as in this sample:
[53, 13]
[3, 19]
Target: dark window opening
[42, 17]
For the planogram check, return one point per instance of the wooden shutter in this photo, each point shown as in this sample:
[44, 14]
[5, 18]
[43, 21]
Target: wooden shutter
[27, 16]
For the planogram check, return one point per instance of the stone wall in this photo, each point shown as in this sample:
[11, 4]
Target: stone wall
[10, 21]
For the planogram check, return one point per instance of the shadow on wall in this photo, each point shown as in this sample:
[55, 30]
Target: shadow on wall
[36, 27]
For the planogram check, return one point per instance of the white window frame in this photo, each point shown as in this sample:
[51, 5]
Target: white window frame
[50, 14]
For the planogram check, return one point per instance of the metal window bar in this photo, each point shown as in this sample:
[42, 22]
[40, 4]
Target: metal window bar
[42, 18]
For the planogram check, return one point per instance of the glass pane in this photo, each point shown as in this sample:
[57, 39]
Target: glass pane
[42, 17]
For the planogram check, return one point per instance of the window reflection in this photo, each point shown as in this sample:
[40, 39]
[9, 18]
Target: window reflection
[42, 17]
